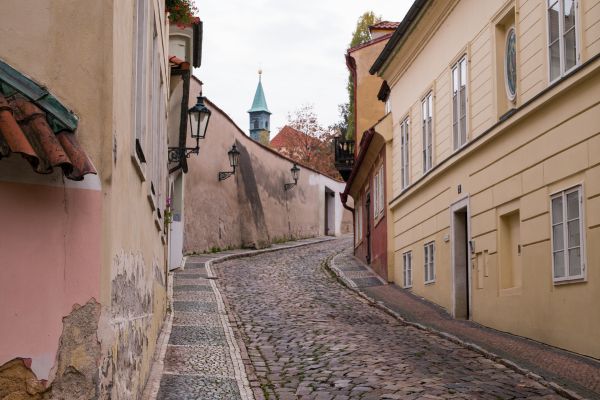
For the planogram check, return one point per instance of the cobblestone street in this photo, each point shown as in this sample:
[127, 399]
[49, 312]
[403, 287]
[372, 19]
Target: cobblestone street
[309, 337]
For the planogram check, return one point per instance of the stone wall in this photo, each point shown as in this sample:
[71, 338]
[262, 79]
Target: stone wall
[251, 208]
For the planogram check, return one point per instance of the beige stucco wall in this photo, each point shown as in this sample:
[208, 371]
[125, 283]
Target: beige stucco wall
[250, 208]
[82, 52]
[551, 144]
[368, 108]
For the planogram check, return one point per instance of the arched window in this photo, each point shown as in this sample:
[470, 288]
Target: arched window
[510, 64]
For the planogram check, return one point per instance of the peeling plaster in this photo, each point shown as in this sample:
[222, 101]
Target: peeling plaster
[131, 313]
[75, 374]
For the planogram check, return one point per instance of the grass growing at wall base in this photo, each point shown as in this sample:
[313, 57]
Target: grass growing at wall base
[262, 245]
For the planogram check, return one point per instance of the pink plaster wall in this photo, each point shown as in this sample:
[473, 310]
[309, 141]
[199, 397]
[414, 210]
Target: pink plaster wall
[50, 259]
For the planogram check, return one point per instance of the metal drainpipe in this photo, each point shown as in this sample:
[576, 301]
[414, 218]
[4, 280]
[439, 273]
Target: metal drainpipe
[185, 76]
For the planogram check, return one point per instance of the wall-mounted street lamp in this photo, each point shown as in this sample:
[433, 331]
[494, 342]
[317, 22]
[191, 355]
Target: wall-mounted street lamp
[234, 159]
[295, 172]
[198, 120]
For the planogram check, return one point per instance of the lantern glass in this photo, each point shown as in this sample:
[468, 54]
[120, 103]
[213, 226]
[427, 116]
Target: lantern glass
[194, 124]
[295, 172]
[199, 116]
[234, 156]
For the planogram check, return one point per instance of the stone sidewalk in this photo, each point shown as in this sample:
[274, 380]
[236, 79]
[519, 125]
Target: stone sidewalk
[570, 374]
[198, 356]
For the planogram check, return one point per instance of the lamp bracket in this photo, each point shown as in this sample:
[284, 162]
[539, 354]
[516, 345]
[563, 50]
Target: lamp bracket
[225, 174]
[288, 186]
[176, 154]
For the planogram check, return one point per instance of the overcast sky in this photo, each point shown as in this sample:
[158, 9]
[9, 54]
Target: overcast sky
[299, 44]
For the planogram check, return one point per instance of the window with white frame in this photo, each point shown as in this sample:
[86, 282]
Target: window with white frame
[358, 221]
[427, 119]
[459, 103]
[562, 37]
[567, 235]
[404, 152]
[378, 191]
[388, 105]
[407, 267]
[429, 262]
[140, 80]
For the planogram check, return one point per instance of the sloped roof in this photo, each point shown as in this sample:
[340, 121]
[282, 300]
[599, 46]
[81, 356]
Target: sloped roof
[385, 25]
[289, 137]
[409, 19]
[259, 103]
[37, 126]
[24, 129]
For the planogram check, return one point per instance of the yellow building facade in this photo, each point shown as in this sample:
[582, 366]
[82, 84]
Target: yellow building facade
[495, 199]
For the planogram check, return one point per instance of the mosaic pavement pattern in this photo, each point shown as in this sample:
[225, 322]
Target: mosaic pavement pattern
[197, 362]
[354, 274]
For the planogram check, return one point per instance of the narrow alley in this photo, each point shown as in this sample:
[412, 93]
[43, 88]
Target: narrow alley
[309, 337]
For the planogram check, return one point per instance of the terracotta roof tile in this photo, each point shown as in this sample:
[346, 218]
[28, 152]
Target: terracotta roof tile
[24, 129]
[385, 25]
[177, 62]
[289, 137]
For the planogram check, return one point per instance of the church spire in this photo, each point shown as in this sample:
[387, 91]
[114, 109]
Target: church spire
[259, 103]
[259, 113]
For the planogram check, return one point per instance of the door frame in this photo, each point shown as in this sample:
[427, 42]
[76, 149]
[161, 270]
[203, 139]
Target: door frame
[455, 208]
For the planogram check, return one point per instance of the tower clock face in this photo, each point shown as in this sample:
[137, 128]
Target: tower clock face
[510, 64]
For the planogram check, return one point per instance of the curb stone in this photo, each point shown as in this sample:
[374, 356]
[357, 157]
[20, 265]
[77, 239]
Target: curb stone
[331, 265]
[236, 345]
[153, 383]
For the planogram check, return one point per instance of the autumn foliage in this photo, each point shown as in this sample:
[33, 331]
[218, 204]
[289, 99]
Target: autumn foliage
[303, 139]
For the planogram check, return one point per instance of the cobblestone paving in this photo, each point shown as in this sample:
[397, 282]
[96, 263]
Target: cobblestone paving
[197, 362]
[310, 338]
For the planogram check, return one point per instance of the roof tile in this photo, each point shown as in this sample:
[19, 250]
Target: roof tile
[24, 129]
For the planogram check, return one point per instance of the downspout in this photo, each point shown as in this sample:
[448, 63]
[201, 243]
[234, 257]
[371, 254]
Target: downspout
[185, 98]
[351, 64]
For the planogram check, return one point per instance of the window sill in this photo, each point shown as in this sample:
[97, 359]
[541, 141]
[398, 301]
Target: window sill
[407, 287]
[158, 223]
[151, 200]
[429, 282]
[570, 280]
[139, 167]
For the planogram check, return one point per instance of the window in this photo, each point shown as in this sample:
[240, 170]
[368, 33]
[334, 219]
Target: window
[388, 105]
[140, 79]
[407, 261]
[358, 222]
[562, 37]
[255, 123]
[404, 127]
[510, 64]
[378, 191]
[567, 235]
[429, 262]
[459, 103]
[427, 111]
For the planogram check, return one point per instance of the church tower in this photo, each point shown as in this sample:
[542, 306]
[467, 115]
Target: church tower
[259, 113]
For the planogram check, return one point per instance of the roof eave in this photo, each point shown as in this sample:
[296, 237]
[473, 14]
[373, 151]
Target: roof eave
[409, 19]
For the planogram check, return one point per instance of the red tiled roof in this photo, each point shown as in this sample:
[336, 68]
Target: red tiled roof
[176, 62]
[369, 43]
[289, 137]
[24, 129]
[385, 25]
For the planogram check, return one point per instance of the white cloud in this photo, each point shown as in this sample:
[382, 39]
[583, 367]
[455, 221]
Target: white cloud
[300, 46]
